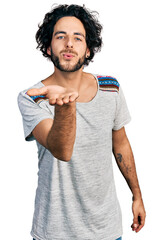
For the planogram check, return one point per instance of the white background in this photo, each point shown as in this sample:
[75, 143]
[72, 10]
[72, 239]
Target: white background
[133, 53]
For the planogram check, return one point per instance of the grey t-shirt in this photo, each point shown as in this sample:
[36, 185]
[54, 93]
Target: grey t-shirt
[77, 200]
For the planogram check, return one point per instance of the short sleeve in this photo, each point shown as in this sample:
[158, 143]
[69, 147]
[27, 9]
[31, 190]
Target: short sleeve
[31, 113]
[122, 115]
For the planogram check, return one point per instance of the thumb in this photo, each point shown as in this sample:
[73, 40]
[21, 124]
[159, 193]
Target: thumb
[37, 91]
[135, 224]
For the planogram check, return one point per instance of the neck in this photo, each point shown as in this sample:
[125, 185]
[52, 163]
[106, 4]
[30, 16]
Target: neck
[68, 79]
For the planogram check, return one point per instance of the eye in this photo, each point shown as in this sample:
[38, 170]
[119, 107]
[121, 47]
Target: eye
[78, 39]
[60, 37]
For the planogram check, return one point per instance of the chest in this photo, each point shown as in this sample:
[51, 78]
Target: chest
[88, 93]
[94, 123]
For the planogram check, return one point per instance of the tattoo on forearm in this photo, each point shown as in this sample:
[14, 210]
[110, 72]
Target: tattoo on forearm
[120, 159]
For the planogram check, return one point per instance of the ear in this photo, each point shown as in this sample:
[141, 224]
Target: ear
[49, 51]
[87, 53]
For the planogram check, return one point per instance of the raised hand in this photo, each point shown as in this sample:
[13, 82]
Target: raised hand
[56, 94]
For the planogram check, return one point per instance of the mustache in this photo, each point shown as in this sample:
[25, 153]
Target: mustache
[69, 51]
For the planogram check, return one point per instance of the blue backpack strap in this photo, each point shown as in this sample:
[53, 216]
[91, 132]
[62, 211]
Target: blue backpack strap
[108, 83]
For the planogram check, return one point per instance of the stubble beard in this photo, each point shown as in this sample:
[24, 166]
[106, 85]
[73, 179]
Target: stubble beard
[67, 67]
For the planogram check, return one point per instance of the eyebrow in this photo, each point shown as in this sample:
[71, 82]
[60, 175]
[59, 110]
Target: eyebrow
[75, 33]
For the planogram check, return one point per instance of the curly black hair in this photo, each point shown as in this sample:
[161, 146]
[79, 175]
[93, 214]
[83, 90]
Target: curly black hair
[92, 27]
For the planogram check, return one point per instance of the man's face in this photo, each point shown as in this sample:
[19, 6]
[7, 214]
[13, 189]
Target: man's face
[68, 46]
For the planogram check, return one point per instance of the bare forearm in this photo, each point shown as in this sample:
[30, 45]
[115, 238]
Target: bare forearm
[125, 161]
[61, 138]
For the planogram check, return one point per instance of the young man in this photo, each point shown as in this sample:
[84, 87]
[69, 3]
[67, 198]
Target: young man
[77, 120]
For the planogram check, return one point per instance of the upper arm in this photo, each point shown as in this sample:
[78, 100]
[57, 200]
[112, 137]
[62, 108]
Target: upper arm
[37, 118]
[41, 131]
[122, 115]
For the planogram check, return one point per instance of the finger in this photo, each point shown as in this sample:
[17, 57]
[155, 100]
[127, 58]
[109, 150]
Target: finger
[52, 101]
[37, 91]
[73, 97]
[142, 222]
[59, 101]
[139, 228]
[135, 224]
[65, 99]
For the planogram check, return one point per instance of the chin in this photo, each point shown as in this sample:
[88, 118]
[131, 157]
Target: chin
[68, 67]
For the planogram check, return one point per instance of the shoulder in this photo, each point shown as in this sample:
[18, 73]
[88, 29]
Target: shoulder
[23, 94]
[108, 83]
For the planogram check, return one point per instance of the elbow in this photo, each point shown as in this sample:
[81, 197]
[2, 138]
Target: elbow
[61, 157]
[59, 153]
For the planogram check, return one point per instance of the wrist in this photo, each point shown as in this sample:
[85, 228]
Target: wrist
[136, 197]
[136, 194]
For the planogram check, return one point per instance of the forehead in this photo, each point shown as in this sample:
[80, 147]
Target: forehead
[69, 24]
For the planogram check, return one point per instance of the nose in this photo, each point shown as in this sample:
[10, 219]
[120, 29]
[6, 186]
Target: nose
[69, 43]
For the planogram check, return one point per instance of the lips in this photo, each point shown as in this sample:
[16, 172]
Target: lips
[68, 55]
